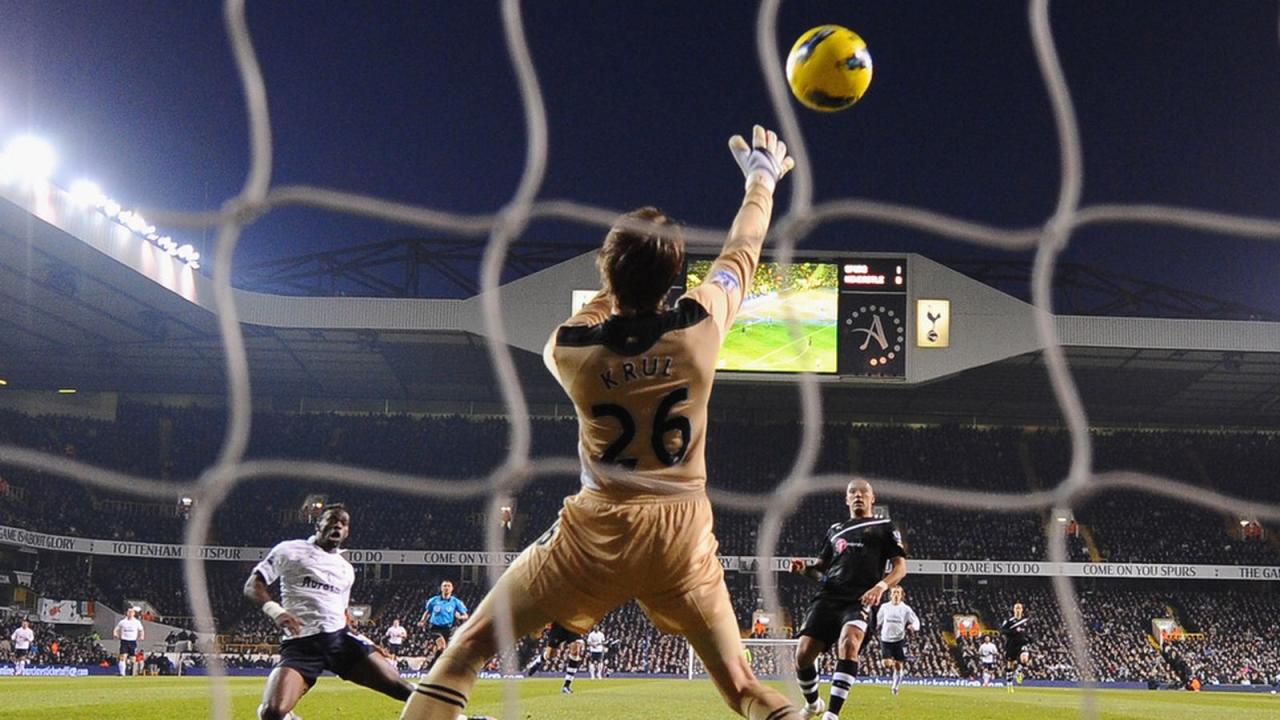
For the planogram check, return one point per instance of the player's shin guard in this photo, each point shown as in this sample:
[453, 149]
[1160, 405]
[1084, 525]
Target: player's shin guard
[841, 681]
[571, 671]
[808, 679]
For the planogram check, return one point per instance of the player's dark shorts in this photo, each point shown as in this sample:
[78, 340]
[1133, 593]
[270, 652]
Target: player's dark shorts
[597, 656]
[442, 631]
[394, 648]
[827, 616]
[338, 652]
[19, 653]
[894, 650]
[558, 636]
[1013, 651]
[129, 647]
[989, 664]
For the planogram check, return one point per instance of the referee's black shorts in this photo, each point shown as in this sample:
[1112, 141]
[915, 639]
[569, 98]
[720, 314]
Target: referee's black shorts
[441, 631]
[338, 652]
[827, 616]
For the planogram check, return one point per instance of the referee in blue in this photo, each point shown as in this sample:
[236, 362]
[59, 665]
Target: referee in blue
[442, 611]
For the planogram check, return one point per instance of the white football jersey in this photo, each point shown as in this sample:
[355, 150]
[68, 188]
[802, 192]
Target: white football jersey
[130, 628]
[988, 651]
[595, 641]
[315, 585]
[396, 634]
[22, 638]
[893, 621]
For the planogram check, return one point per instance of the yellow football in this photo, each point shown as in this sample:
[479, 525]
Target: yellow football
[829, 68]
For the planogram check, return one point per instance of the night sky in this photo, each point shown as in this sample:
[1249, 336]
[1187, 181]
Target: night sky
[1178, 101]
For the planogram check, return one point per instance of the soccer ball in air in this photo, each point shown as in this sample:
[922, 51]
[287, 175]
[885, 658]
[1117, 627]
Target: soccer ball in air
[829, 68]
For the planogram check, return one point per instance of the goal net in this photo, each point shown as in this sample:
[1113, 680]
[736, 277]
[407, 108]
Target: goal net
[769, 657]
[1047, 238]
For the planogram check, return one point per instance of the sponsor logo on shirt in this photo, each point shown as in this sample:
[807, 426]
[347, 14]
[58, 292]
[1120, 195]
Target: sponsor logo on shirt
[310, 582]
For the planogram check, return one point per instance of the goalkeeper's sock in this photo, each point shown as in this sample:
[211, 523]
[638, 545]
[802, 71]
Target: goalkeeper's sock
[808, 679]
[570, 671]
[841, 682]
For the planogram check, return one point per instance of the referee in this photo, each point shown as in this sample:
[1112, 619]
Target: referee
[441, 612]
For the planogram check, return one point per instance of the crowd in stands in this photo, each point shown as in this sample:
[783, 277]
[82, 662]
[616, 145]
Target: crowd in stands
[179, 443]
[1230, 635]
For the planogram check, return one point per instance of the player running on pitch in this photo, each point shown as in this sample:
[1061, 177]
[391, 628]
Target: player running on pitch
[893, 621]
[640, 377]
[1017, 642]
[557, 638]
[22, 638]
[395, 637]
[987, 655]
[850, 567]
[129, 632]
[595, 648]
[315, 587]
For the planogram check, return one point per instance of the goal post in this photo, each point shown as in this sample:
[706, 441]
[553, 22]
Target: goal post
[769, 658]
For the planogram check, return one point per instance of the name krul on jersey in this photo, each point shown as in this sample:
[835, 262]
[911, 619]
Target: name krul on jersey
[651, 366]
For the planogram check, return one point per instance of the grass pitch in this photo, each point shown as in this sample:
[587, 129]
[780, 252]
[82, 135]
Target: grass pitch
[769, 347]
[112, 698]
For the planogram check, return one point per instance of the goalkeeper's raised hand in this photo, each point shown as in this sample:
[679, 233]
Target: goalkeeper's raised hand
[765, 160]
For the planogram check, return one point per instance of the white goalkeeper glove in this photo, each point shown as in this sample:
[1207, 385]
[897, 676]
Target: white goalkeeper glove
[765, 160]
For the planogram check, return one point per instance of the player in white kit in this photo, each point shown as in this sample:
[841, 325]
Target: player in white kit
[395, 636]
[22, 638]
[129, 632]
[988, 655]
[315, 588]
[595, 653]
[893, 620]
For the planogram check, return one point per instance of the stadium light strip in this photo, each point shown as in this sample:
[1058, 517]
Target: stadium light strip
[31, 160]
[87, 193]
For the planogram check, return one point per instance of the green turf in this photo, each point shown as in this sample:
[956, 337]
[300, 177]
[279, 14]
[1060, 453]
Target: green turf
[108, 698]
[770, 347]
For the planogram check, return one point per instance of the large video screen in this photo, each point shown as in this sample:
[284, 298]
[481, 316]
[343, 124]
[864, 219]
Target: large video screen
[760, 340]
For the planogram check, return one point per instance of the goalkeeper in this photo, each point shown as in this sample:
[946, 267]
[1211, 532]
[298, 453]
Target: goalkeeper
[640, 377]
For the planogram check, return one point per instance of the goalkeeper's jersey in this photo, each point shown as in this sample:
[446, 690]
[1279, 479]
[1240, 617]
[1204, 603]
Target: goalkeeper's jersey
[641, 384]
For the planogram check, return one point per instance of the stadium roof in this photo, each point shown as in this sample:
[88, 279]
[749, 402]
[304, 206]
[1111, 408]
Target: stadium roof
[87, 307]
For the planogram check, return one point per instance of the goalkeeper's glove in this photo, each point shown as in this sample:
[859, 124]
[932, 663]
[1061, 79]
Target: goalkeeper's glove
[765, 160]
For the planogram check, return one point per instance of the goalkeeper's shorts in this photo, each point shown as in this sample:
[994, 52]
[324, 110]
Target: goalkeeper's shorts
[602, 552]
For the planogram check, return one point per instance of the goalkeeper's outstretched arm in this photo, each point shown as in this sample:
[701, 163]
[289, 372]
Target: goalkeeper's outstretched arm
[763, 162]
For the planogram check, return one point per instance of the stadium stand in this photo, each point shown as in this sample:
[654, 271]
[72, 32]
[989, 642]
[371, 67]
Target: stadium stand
[1230, 636]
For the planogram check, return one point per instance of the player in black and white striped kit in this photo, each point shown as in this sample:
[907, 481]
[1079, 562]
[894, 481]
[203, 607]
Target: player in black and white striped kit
[1017, 646]
[558, 638]
[851, 570]
[894, 620]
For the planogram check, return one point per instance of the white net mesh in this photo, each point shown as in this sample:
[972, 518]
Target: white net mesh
[503, 228]
[772, 658]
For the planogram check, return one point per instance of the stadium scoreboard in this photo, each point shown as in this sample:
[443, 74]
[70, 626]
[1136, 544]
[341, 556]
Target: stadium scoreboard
[842, 316]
